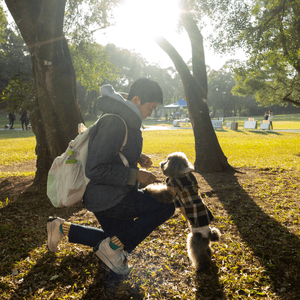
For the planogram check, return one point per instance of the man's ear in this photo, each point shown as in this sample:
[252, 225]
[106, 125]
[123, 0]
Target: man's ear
[136, 100]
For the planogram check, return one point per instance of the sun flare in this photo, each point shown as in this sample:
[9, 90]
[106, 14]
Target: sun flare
[139, 22]
[149, 18]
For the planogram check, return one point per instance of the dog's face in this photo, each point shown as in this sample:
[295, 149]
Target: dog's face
[176, 165]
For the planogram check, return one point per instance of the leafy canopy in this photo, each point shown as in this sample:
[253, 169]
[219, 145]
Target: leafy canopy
[91, 64]
[3, 24]
[268, 31]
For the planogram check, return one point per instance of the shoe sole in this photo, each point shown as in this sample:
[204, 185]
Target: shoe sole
[49, 232]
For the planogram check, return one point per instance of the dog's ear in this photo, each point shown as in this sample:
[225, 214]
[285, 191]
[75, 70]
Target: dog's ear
[186, 170]
[185, 166]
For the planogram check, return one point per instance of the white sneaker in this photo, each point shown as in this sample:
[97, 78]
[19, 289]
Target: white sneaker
[116, 260]
[54, 234]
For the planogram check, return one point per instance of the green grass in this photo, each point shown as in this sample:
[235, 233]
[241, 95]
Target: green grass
[242, 148]
[16, 150]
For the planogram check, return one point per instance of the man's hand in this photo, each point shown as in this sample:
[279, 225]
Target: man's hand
[145, 161]
[145, 177]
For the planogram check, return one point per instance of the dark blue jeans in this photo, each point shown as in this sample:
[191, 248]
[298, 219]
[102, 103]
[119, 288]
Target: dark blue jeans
[131, 220]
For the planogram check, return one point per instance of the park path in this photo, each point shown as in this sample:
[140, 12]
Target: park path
[161, 127]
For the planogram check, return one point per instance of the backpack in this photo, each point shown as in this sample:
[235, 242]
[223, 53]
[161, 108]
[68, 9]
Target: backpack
[66, 182]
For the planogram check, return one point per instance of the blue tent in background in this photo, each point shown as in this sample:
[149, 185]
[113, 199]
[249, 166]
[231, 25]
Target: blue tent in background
[179, 103]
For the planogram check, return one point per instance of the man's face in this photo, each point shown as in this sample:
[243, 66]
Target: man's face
[147, 109]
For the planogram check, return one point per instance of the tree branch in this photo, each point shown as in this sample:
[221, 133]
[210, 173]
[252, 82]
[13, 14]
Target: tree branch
[179, 63]
[198, 57]
[276, 11]
[287, 99]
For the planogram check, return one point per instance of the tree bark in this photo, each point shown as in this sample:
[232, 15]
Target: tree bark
[209, 155]
[56, 111]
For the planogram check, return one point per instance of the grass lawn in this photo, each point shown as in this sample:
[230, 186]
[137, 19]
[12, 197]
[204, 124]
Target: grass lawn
[257, 211]
[242, 148]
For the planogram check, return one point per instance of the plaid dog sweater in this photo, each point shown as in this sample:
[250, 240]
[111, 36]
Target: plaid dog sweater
[187, 197]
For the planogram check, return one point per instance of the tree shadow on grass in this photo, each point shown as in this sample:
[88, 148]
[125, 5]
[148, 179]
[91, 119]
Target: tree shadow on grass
[208, 285]
[274, 132]
[258, 132]
[108, 285]
[276, 248]
[221, 130]
[241, 131]
[23, 221]
[36, 279]
[23, 250]
[265, 132]
[77, 276]
[15, 134]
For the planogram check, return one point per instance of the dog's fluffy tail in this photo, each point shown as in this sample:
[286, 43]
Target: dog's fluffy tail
[215, 234]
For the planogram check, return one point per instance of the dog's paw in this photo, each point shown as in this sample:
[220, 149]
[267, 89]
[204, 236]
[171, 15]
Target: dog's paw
[215, 234]
[159, 192]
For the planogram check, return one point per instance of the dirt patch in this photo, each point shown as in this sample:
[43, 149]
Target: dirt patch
[29, 166]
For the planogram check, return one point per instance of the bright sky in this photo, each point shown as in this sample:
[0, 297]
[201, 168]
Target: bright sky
[139, 21]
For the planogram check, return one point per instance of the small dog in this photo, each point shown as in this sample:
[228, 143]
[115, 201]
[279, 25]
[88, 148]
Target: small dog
[182, 189]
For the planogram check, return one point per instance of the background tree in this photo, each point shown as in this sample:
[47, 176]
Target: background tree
[15, 61]
[3, 24]
[16, 82]
[56, 111]
[92, 69]
[92, 65]
[220, 84]
[268, 31]
[220, 96]
[19, 95]
[131, 66]
[209, 155]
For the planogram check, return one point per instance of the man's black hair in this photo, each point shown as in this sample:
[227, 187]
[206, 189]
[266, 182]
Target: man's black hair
[147, 90]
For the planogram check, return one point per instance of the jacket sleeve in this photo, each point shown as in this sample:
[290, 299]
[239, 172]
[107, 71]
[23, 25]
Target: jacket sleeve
[103, 166]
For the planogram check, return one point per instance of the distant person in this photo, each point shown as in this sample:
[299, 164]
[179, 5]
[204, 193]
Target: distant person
[12, 118]
[24, 119]
[266, 116]
[270, 119]
[27, 119]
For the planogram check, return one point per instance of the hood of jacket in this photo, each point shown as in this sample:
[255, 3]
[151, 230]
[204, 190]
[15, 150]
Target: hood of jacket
[112, 102]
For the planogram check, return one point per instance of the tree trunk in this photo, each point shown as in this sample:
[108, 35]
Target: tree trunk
[56, 112]
[209, 155]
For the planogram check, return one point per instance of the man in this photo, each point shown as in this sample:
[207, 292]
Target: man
[12, 119]
[126, 214]
[24, 119]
